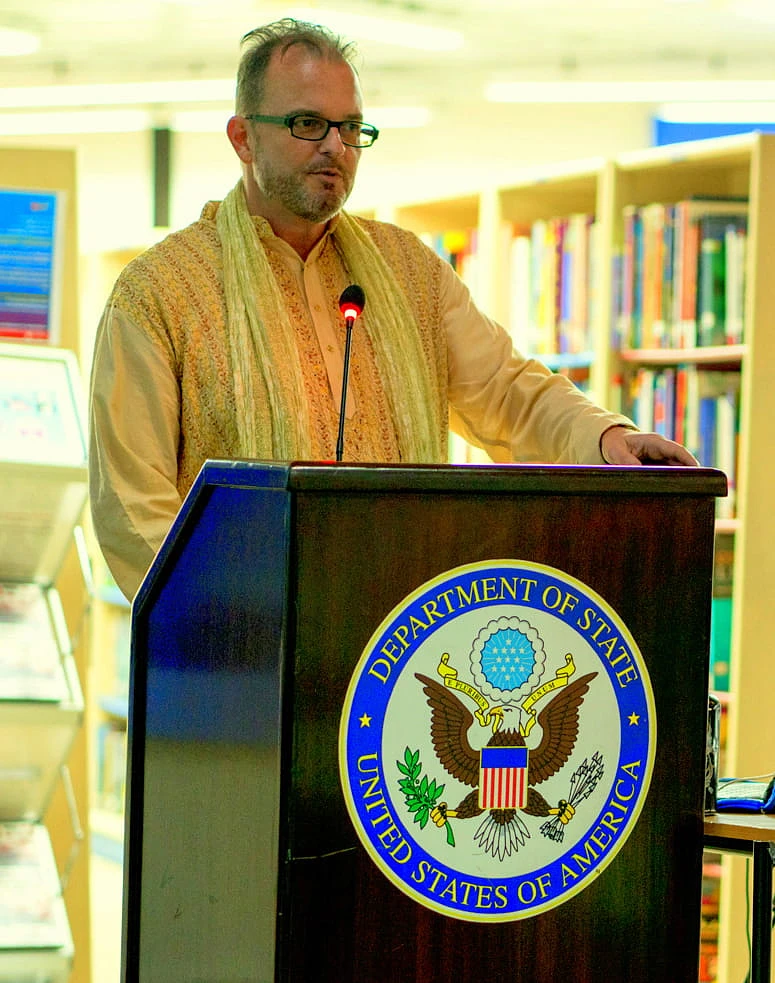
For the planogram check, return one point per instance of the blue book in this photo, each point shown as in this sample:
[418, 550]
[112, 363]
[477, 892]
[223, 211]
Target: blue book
[707, 431]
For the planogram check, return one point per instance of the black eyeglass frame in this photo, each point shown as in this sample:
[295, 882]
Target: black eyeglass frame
[366, 128]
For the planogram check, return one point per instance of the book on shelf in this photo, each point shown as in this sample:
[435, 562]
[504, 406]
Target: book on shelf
[664, 404]
[721, 612]
[544, 278]
[681, 275]
[720, 278]
[653, 328]
[720, 643]
[698, 407]
[551, 300]
[459, 247]
[631, 279]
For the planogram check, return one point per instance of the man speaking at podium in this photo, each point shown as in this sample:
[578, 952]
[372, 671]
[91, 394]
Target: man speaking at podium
[226, 339]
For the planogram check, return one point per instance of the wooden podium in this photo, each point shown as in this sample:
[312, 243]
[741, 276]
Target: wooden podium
[242, 863]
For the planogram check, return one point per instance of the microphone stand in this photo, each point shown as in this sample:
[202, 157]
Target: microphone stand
[349, 321]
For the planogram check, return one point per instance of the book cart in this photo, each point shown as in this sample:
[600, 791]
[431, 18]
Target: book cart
[43, 476]
[733, 355]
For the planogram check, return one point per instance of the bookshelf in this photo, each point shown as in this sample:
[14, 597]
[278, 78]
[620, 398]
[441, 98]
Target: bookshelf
[741, 167]
[733, 168]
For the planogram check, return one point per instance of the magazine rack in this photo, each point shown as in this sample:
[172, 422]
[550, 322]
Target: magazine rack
[43, 476]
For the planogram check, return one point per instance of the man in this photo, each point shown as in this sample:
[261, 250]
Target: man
[225, 340]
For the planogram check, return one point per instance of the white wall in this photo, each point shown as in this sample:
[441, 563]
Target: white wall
[115, 191]
[115, 180]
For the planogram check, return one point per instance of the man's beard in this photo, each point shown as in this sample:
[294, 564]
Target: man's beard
[292, 191]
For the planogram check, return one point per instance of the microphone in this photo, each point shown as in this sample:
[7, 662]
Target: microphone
[351, 304]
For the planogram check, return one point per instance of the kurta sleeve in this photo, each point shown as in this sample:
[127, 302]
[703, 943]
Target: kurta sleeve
[133, 440]
[513, 407]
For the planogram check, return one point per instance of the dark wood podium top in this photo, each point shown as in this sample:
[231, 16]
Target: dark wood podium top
[475, 478]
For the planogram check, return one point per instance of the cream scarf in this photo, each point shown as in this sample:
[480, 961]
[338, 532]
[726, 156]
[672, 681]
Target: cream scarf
[273, 415]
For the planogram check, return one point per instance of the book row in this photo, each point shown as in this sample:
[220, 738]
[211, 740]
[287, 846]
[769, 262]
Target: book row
[680, 279]
[551, 281]
[700, 408]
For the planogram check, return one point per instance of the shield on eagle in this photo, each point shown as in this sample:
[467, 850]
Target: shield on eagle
[503, 778]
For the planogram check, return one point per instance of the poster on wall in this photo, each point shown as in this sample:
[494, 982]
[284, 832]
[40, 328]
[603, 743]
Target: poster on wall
[30, 264]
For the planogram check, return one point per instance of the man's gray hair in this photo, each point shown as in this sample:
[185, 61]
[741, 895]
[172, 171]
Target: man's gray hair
[260, 44]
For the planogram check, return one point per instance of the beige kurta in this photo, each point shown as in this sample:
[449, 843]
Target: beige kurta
[162, 394]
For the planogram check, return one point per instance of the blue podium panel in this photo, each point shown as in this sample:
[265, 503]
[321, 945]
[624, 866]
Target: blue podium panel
[204, 737]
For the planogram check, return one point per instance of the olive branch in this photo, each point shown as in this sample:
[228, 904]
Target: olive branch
[421, 794]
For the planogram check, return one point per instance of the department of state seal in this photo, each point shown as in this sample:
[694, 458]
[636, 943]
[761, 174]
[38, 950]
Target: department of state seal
[497, 740]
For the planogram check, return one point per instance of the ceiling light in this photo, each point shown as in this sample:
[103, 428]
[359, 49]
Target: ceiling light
[118, 94]
[99, 121]
[716, 112]
[17, 42]
[751, 90]
[405, 34]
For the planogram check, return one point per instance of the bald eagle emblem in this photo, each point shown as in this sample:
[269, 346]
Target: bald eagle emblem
[502, 830]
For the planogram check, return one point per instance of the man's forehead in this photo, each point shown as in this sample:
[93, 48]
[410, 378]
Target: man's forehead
[301, 64]
[294, 56]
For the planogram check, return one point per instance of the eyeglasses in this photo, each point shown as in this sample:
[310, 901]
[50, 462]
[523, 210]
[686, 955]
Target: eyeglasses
[352, 132]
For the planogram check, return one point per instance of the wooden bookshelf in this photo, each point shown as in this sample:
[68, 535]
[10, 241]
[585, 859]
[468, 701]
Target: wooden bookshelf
[729, 167]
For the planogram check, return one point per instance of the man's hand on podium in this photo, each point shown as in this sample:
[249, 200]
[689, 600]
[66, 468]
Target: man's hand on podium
[620, 445]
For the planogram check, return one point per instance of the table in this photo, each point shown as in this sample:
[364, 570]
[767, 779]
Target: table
[750, 833]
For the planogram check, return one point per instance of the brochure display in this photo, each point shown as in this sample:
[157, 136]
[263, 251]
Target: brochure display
[43, 476]
[333, 669]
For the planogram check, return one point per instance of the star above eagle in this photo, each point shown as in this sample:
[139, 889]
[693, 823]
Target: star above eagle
[503, 831]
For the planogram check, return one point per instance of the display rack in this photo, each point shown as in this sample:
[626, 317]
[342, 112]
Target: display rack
[43, 475]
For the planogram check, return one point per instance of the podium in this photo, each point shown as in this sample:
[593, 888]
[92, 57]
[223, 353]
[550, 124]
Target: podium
[243, 857]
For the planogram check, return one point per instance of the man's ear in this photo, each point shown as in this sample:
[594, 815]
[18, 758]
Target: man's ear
[237, 132]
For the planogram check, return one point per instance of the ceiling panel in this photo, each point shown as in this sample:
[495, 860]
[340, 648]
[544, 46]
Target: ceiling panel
[103, 41]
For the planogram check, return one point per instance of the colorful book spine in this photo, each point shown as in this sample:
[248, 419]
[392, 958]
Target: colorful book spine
[721, 612]
[682, 274]
[551, 299]
[711, 307]
[735, 249]
[727, 439]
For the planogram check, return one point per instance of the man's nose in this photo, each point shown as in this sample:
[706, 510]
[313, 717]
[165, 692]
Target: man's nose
[332, 142]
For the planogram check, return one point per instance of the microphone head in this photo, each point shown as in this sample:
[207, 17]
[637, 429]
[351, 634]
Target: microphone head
[352, 301]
